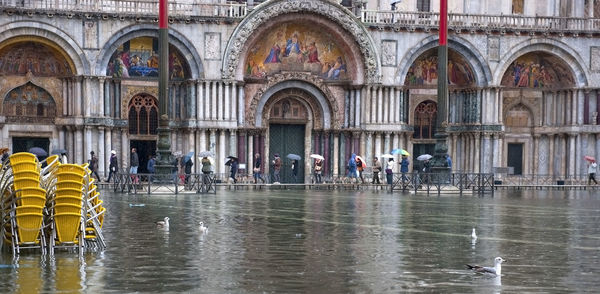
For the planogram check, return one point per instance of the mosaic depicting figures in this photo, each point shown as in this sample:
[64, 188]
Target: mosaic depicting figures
[29, 100]
[538, 70]
[295, 47]
[139, 58]
[424, 70]
[37, 58]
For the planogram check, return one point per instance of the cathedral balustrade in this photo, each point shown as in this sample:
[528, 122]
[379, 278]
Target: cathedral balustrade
[483, 22]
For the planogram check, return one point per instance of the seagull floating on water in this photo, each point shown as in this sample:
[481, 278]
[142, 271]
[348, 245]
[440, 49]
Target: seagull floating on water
[203, 229]
[473, 235]
[163, 223]
[496, 270]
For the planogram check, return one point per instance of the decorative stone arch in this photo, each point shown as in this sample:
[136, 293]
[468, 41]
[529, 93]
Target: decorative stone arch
[509, 120]
[312, 108]
[571, 58]
[267, 11]
[176, 39]
[312, 85]
[49, 84]
[528, 102]
[483, 74]
[49, 35]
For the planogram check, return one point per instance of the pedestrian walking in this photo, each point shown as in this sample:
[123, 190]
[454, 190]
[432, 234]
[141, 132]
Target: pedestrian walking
[295, 167]
[134, 162]
[256, 170]
[376, 170]
[113, 165]
[150, 167]
[318, 170]
[352, 167]
[389, 171]
[93, 165]
[188, 170]
[404, 163]
[360, 167]
[276, 169]
[592, 167]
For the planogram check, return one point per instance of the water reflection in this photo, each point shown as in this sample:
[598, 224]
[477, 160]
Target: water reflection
[341, 241]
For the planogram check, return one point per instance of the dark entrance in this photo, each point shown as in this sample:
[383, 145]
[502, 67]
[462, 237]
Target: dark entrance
[285, 139]
[419, 149]
[515, 157]
[23, 144]
[144, 149]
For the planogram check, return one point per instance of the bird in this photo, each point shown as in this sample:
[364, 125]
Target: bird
[163, 223]
[473, 235]
[203, 229]
[496, 270]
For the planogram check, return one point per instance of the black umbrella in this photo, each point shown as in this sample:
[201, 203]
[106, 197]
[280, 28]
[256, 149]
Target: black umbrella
[37, 151]
[59, 151]
[232, 157]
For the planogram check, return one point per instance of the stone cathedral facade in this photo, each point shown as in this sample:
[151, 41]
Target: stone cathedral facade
[304, 77]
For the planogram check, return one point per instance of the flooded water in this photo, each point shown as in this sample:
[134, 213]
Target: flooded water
[298, 241]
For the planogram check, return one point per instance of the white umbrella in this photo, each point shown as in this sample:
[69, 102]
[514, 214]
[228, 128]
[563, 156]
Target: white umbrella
[386, 156]
[424, 157]
[317, 156]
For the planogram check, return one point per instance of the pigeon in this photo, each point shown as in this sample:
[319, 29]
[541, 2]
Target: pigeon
[203, 229]
[473, 235]
[496, 270]
[163, 223]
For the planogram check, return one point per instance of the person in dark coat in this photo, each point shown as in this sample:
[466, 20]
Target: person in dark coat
[295, 167]
[188, 170]
[94, 166]
[233, 164]
[113, 165]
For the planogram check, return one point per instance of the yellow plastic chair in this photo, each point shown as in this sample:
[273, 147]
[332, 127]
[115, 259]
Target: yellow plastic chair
[69, 184]
[26, 174]
[73, 168]
[67, 226]
[68, 176]
[22, 157]
[24, 209]
[68, 199]
[69, 192]
[31, 196]
[25, 166]
[22, 183]
[28, 227]
[67, 208]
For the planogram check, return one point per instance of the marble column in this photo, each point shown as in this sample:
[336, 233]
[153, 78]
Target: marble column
[350, 108]
[202, 141]
[385, 105]
[70, 144]
[396, 144]
[536, 151]
[369, 149]
[101, 152]
[61, 138]
[336, 152]
[87, 143]
[580, 109]
[66, 99]
[378, 150]
[358, 108]
[108, 146]
[213, 101]
[250, 152]
[208, 100]
[222, 144]
[125, 150]
[101, 110]
[551, 170]
[368, 102]
[478, 148]
[379, 104]
[227, 104]
[234, 104]
[241, 105]
[78, 96]
[373, 108]
[220, 101]
[78, 144]
[500, 106]
[386, 143]
[571, 154]
[199, 100]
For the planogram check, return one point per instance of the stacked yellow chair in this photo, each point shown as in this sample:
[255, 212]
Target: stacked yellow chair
[27, 208]
[67, 206]
[94, 213]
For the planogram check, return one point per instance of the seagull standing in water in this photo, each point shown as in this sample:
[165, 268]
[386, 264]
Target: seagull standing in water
[163, 223]
[473, 235]
[203, 229]
[496, 270]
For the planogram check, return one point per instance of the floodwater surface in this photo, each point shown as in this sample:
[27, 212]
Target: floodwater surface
[315, 241]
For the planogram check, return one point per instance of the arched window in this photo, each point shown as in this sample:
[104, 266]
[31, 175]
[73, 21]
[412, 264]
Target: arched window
[143, 115]
[425, 115]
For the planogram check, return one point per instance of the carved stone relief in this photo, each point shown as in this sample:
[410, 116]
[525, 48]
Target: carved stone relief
[494, 48]
[595, 58]
[388, 52]
[212, 46]
[90, 34]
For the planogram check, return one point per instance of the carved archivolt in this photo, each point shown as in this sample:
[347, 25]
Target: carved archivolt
[297, 76]
[269, 10]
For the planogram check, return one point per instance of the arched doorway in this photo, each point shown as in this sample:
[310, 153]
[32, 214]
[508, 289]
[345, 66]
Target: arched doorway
[143, 124]
[288, 120]
[424, 125]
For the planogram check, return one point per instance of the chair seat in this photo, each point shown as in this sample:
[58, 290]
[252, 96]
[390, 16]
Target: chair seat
[69, 184]
[22, 183]
[28, 227]
[67, 208]
[67, 227]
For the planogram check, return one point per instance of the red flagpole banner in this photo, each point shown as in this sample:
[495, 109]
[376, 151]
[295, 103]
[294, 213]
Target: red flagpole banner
[443, 22]
[163, 17]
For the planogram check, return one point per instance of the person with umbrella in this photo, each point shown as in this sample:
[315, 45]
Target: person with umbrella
[360, 167]
[295, 167]
[233, 164]
[352, 167]
[318, 170]
[276, 169]
[113, 165]
[376, 170]
[150, 167]
[188, 168]
[592, 166]
[404, 167]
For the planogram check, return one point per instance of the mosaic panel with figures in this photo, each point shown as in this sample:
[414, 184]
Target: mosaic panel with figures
[138, 57]
[297, 47]
[29, 103]
[39, 59]
[538, 70]
[423, 72]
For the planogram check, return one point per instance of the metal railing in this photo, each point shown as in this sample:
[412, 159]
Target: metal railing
[481, 21]
[541, 180]
[131, 7]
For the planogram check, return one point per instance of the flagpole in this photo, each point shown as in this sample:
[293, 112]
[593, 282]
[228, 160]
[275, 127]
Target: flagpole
[163, 145]
[440, 163]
